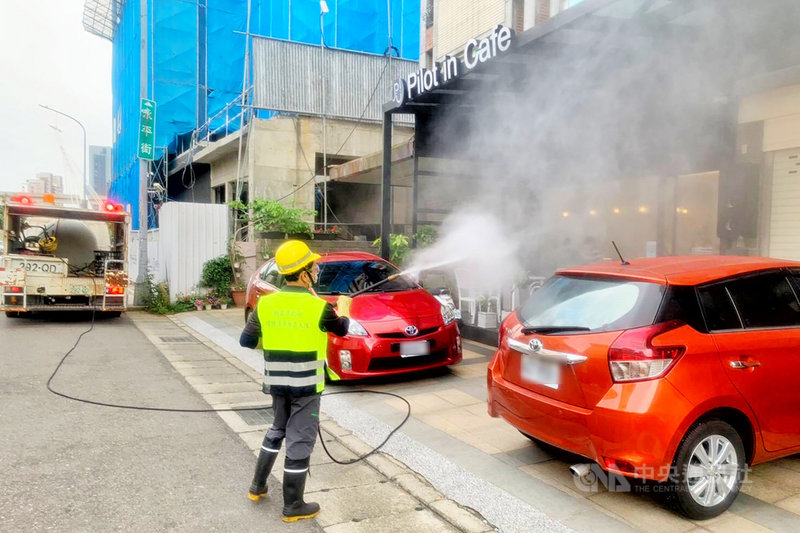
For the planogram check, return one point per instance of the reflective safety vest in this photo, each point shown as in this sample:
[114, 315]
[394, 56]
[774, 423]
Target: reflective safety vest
[294, 345]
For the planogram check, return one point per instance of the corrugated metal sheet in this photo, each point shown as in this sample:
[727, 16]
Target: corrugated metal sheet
[287, 78]
[189, 235]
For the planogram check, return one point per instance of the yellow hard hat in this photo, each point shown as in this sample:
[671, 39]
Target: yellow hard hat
[293, 256]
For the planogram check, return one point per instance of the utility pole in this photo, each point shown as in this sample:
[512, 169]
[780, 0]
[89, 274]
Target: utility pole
[141, 275]
[323, 8]
[83, 129]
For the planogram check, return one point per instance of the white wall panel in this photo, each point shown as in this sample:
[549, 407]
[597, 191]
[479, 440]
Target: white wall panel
[784, 225]
[190, 235]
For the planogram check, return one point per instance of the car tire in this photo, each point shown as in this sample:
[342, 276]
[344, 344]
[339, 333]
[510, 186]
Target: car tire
[708, 470]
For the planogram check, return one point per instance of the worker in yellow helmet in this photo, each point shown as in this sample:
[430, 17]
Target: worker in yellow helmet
[293, 326]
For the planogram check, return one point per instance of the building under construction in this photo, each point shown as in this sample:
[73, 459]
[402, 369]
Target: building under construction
[189, 57]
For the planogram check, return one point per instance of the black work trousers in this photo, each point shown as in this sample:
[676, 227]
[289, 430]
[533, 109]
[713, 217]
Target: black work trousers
[296, 420]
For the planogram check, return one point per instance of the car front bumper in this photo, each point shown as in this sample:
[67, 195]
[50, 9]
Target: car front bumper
[375, 356]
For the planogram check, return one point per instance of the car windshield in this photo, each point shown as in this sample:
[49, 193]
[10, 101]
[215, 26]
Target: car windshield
[591, 304]
[349, 276]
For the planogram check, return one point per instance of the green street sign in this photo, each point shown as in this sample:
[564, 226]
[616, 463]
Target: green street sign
[147, 129]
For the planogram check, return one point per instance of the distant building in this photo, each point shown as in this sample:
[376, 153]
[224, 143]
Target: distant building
[45, 182]
[100, 168]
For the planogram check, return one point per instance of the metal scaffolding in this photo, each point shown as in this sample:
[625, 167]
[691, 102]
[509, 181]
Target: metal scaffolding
[100, 17]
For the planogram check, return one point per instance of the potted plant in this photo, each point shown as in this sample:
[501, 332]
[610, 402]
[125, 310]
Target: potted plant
[239, 294]
[198, 304]
[321, 234]
[487, 312]
[224, 302]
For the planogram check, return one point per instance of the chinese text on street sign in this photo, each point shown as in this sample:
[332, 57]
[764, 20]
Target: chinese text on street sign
[147, 129]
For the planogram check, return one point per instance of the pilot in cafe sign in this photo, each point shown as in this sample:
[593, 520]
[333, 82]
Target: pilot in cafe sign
[476, 52]
[147, 129]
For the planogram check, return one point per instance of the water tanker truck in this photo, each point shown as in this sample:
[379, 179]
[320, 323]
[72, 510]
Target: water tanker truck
[63, 257]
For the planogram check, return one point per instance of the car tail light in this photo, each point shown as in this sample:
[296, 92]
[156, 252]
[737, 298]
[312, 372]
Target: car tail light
[16, 290]
[632, 357]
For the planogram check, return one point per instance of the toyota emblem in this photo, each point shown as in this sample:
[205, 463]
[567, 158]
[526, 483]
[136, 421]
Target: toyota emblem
[411, 331]
[535, 345]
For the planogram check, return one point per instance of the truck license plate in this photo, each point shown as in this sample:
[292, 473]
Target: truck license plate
[414, 349]
[540, 371]
[41, 267]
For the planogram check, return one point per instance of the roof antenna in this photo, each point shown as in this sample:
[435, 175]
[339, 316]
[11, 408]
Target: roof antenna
[621, 259]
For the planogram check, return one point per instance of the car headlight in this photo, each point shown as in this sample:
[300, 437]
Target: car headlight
[448, 314]
[355, 329]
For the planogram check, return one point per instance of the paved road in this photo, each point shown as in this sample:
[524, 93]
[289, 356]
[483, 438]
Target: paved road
[69, 466]
[486, 464]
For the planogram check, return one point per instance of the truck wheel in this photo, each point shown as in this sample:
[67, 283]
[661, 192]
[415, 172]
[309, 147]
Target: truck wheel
[17, 314]
[708, 470]
[112, 314]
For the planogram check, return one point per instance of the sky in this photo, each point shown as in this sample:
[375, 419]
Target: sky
[46, 57]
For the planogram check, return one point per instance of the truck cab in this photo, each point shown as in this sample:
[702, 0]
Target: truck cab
[63, 257]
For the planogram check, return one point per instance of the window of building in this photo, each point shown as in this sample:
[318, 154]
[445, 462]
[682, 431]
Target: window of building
[718, 308]
[219, 194]
[766, 300]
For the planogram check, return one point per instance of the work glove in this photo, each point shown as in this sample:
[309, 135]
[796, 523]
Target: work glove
[343, 306]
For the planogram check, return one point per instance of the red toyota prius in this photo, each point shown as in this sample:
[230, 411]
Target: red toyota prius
[681, 370]
[396, 327]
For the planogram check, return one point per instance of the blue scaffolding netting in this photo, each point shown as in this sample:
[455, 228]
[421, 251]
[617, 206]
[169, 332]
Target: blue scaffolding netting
[185, 34]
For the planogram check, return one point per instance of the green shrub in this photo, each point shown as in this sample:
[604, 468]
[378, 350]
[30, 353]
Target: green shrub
[425, 236]
[398, 247]
[218, 275]
[271, 215]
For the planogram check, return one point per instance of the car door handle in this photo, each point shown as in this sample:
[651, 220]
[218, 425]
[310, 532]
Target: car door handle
[740, 365]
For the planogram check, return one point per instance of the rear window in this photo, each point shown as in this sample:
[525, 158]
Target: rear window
[599, 304]
[349, 276]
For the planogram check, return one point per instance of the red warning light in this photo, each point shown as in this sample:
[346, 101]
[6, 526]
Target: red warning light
[22, 199]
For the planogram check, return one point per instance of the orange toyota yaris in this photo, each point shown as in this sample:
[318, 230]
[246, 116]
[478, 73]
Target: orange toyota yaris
[682, 370]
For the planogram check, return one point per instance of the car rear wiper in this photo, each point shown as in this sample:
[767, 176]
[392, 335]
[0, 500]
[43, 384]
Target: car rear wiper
[546, 330]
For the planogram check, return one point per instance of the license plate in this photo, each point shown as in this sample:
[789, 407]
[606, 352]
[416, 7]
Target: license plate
[414, 349]
[540, 371]
[41, 267]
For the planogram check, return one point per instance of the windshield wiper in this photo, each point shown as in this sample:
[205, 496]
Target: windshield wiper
[546, 330]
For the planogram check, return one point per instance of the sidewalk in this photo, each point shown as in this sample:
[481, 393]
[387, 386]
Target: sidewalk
[376, 495]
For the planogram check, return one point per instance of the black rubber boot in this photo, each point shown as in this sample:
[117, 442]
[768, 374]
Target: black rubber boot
[294, 508]
[258, 488]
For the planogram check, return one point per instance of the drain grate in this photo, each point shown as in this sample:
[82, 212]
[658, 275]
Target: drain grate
[256, 418]
[178, 340]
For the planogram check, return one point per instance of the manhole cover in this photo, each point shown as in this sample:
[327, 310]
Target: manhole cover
[177, 340]
[260, 417]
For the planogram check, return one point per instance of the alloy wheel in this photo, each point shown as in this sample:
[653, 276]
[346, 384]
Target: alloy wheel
[712, 470]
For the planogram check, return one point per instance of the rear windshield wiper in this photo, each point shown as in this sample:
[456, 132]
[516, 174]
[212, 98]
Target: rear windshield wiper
[546, 330]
